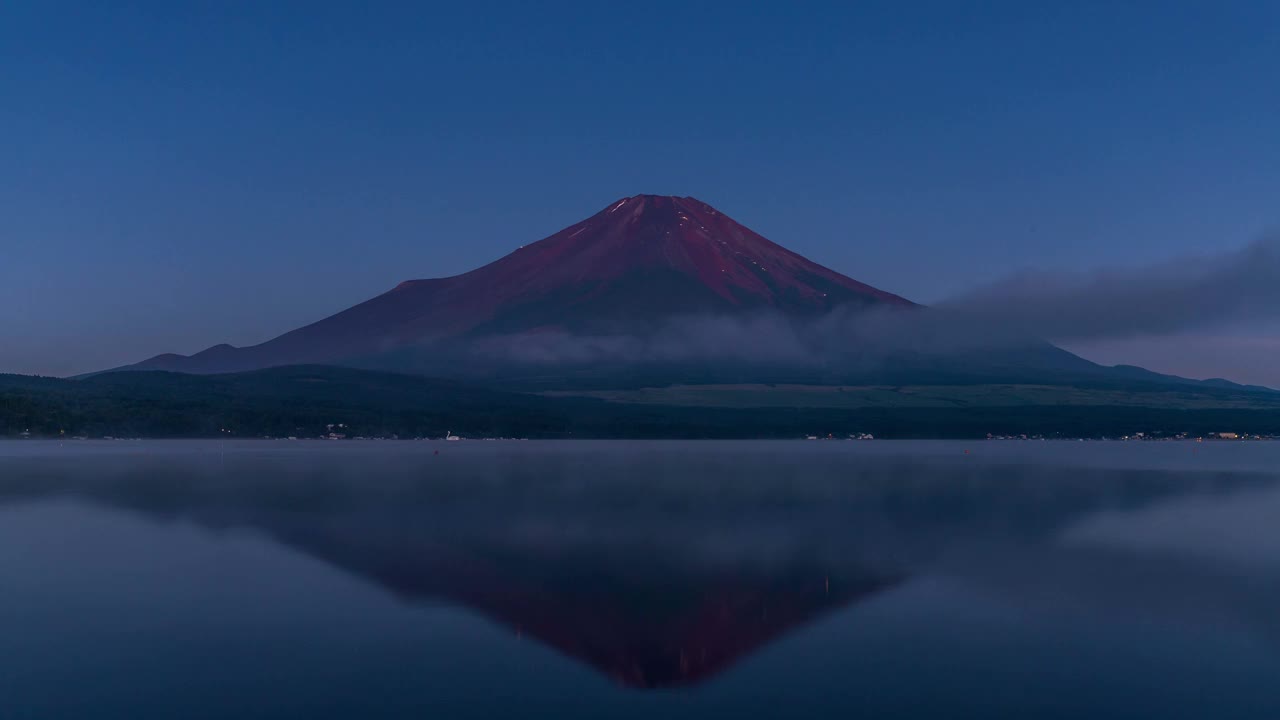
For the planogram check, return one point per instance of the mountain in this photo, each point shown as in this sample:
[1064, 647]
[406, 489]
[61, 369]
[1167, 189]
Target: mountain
[626, 270]
[655, 291]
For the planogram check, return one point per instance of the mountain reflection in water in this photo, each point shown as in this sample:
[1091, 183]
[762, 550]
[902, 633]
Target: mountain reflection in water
[657, 564]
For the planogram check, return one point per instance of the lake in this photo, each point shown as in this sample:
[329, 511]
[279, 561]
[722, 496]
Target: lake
[639, 579]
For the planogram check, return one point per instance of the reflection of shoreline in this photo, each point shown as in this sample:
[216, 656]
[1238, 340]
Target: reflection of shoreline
[662, 577]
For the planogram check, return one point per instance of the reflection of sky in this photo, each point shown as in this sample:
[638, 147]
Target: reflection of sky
[1237, 530]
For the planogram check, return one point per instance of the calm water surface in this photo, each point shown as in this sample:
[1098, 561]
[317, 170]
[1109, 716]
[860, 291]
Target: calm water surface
[666, 580]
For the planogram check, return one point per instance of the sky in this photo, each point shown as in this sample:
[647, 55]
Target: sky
[177, 175]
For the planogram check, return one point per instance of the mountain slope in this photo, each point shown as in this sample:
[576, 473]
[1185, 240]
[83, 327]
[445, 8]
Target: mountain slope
[625, 270]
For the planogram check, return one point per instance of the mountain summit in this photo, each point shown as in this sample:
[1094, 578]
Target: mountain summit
[625, 270]
[679, 245]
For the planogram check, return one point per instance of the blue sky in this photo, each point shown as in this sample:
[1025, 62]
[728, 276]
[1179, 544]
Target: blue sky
[175, 175]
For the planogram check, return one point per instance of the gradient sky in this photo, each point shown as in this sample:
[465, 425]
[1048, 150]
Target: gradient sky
[175, 175]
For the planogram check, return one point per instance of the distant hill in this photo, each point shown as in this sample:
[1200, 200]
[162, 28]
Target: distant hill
[304, 400]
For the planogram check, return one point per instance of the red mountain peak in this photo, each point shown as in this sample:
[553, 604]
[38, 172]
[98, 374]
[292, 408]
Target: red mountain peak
[626, 269]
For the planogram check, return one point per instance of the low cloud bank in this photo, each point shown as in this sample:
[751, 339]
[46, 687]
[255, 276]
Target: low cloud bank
[852, 336]
[1021, 313]
[1234, 288]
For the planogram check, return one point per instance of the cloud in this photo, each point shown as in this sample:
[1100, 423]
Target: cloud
[1228, 289]
[854, 337]
[1237, 287]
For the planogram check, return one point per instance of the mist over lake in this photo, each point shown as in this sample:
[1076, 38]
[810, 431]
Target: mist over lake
[638, 579]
